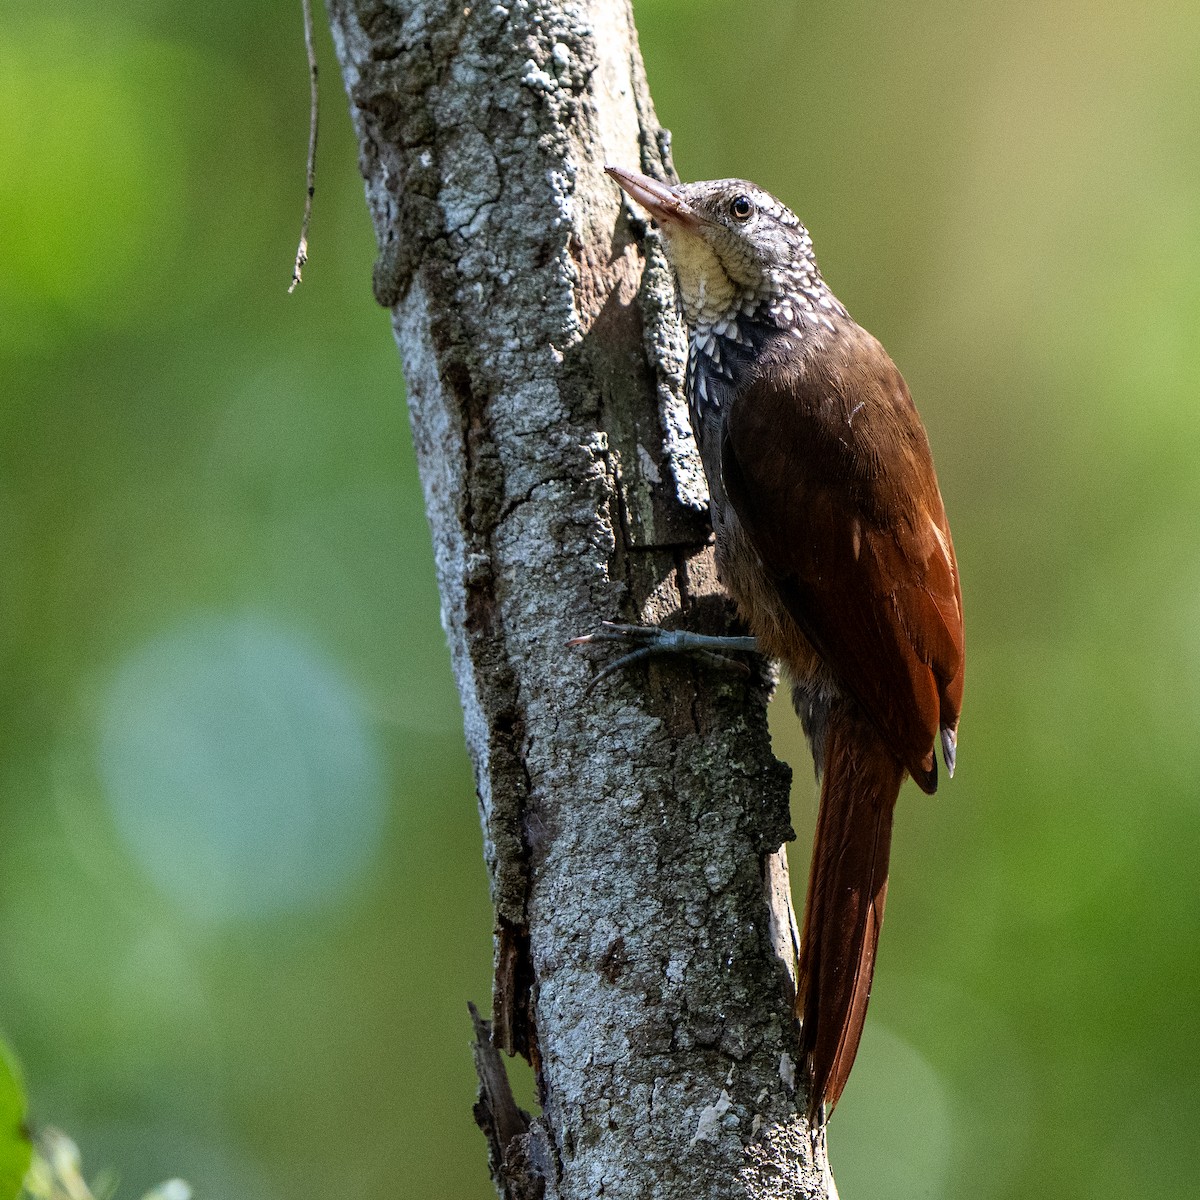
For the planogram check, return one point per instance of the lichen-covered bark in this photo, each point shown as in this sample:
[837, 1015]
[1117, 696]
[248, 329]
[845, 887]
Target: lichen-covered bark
[644, 932]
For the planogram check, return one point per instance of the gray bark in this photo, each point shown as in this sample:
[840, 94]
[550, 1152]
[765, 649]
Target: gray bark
[645, 939]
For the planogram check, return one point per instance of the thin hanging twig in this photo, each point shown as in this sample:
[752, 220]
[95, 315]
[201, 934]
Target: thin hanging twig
[311, 180]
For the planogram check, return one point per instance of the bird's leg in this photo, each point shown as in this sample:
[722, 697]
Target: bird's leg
[649, 639]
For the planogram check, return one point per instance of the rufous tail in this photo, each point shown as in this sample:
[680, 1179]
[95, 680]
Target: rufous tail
[843, 913]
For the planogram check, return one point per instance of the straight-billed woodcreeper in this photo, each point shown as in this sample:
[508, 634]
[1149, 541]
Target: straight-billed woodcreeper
[832, 539]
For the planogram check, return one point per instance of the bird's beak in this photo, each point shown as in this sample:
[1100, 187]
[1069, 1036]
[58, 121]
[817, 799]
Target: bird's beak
[660, 201]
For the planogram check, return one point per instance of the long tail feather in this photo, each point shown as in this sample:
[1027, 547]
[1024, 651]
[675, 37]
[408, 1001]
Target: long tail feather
[847, 887]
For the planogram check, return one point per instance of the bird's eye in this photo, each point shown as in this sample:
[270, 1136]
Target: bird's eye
[741, 207]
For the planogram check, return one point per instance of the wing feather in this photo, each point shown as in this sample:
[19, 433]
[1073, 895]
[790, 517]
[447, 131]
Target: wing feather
[855, 539]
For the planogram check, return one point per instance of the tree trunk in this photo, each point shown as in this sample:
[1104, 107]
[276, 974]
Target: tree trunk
[645, 940]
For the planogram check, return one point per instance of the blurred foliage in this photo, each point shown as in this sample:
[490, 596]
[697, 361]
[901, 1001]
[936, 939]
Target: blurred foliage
[57, 1174]
[217, 569]
[15, 1149]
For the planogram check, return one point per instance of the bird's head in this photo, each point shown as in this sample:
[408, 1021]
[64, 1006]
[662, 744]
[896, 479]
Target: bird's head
[735, 247]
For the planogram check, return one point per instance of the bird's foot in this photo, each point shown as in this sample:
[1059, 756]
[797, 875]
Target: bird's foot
[649, 639]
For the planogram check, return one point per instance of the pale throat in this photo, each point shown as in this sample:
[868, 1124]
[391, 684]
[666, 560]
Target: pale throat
[706, 292]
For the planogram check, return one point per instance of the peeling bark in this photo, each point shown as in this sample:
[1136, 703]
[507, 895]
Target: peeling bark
[645, 941]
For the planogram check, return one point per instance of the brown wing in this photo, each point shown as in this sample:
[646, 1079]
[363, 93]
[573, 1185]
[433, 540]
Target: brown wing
[828, 467]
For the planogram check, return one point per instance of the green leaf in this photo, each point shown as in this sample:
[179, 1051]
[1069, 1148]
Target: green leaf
[15, 1148]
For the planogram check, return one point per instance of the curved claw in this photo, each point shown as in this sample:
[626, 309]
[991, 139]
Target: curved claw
[613, 667]
[614, 631]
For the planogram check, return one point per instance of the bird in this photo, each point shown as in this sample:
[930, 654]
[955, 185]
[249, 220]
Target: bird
[832, 538]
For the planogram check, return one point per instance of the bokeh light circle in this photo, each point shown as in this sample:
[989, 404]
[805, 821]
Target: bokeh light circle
[239, 770]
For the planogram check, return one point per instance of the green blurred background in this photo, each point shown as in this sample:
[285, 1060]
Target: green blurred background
[242, 904]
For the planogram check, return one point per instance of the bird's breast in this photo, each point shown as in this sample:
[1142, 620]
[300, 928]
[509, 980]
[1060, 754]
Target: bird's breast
[721, 356]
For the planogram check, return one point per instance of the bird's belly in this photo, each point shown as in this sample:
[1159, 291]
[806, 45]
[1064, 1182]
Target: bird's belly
[741, 572]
